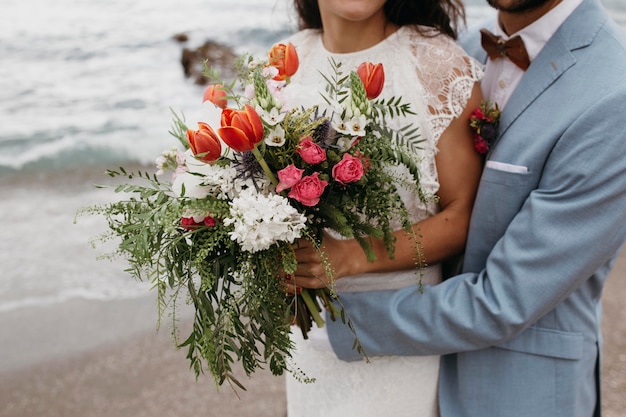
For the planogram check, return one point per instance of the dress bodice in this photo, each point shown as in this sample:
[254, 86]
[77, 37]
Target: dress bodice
[428, 70]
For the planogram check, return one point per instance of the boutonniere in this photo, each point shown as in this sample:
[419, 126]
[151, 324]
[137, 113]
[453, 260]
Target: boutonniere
[484, 123]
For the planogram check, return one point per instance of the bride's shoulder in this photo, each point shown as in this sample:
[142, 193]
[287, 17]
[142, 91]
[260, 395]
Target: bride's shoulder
[437, 50]
[424, 37]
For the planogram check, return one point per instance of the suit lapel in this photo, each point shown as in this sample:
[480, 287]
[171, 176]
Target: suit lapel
[554, 59]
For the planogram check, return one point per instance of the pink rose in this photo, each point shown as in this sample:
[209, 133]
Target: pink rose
[209, 221]
[310, 151]
[288, 177]
[308, 190]
[349, 169]
[481, 147]
[478, 114]
[188, 223]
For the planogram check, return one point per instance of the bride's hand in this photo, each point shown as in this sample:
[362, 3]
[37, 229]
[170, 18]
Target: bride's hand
[313, 266]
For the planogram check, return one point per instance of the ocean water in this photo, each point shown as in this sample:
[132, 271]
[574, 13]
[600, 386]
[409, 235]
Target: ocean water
[91, 83]
[87, 81]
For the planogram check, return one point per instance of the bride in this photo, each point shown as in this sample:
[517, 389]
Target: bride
[415, 42]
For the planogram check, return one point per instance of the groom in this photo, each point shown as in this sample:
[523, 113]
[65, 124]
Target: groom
[520, 327]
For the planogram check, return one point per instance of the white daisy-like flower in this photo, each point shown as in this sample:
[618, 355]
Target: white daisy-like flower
[341, 126]
[276, 137]
[353, 126]
[273, 117]
[357, 124]
[259, 221]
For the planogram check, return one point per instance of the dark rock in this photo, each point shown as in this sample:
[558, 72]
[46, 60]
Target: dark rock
[218, 56]
[181, 37]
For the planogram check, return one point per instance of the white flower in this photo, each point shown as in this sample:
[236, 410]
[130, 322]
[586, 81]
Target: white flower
[341, 126]
[276, 137]
[260, 221]
[354, 126]
[160, 165]
[170, 160]
[273, 117]
[357, 125]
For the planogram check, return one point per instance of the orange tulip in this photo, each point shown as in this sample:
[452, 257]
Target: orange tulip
[204, 143]
[215, 94]
[241, 129]
[373, 77]
[285, 58]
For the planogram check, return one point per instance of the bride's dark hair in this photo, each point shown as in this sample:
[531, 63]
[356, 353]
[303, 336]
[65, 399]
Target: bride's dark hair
[443, 15]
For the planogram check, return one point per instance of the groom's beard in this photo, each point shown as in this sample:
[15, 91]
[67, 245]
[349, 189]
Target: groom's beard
[517, 6]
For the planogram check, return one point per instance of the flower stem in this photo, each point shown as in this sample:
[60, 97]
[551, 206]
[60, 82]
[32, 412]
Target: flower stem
[266, 168]
[315, 314]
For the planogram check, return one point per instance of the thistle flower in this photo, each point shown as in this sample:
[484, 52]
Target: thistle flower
[324, 134]
[247, 167]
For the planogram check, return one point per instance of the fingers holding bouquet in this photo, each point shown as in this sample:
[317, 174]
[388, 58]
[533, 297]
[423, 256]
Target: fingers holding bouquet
[311, 271]
[320, 265]
[312, 266]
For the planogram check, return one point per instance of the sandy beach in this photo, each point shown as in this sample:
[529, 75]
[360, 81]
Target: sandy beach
[105, 358]
[88, 359]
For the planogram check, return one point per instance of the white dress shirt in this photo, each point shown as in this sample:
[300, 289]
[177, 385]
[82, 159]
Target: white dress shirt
[501, 75]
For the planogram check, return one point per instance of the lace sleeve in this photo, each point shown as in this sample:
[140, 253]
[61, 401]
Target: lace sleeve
[448, 75]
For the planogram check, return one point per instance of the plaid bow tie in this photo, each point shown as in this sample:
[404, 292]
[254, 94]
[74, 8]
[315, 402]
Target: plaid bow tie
[513, 48]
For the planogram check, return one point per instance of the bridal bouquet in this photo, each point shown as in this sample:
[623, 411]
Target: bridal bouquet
[219, 233]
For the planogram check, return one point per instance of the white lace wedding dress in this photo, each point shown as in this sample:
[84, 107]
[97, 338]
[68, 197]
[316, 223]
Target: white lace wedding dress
[436, 77]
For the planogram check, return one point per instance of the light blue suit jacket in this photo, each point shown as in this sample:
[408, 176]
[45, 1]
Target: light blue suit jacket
[520, 328]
